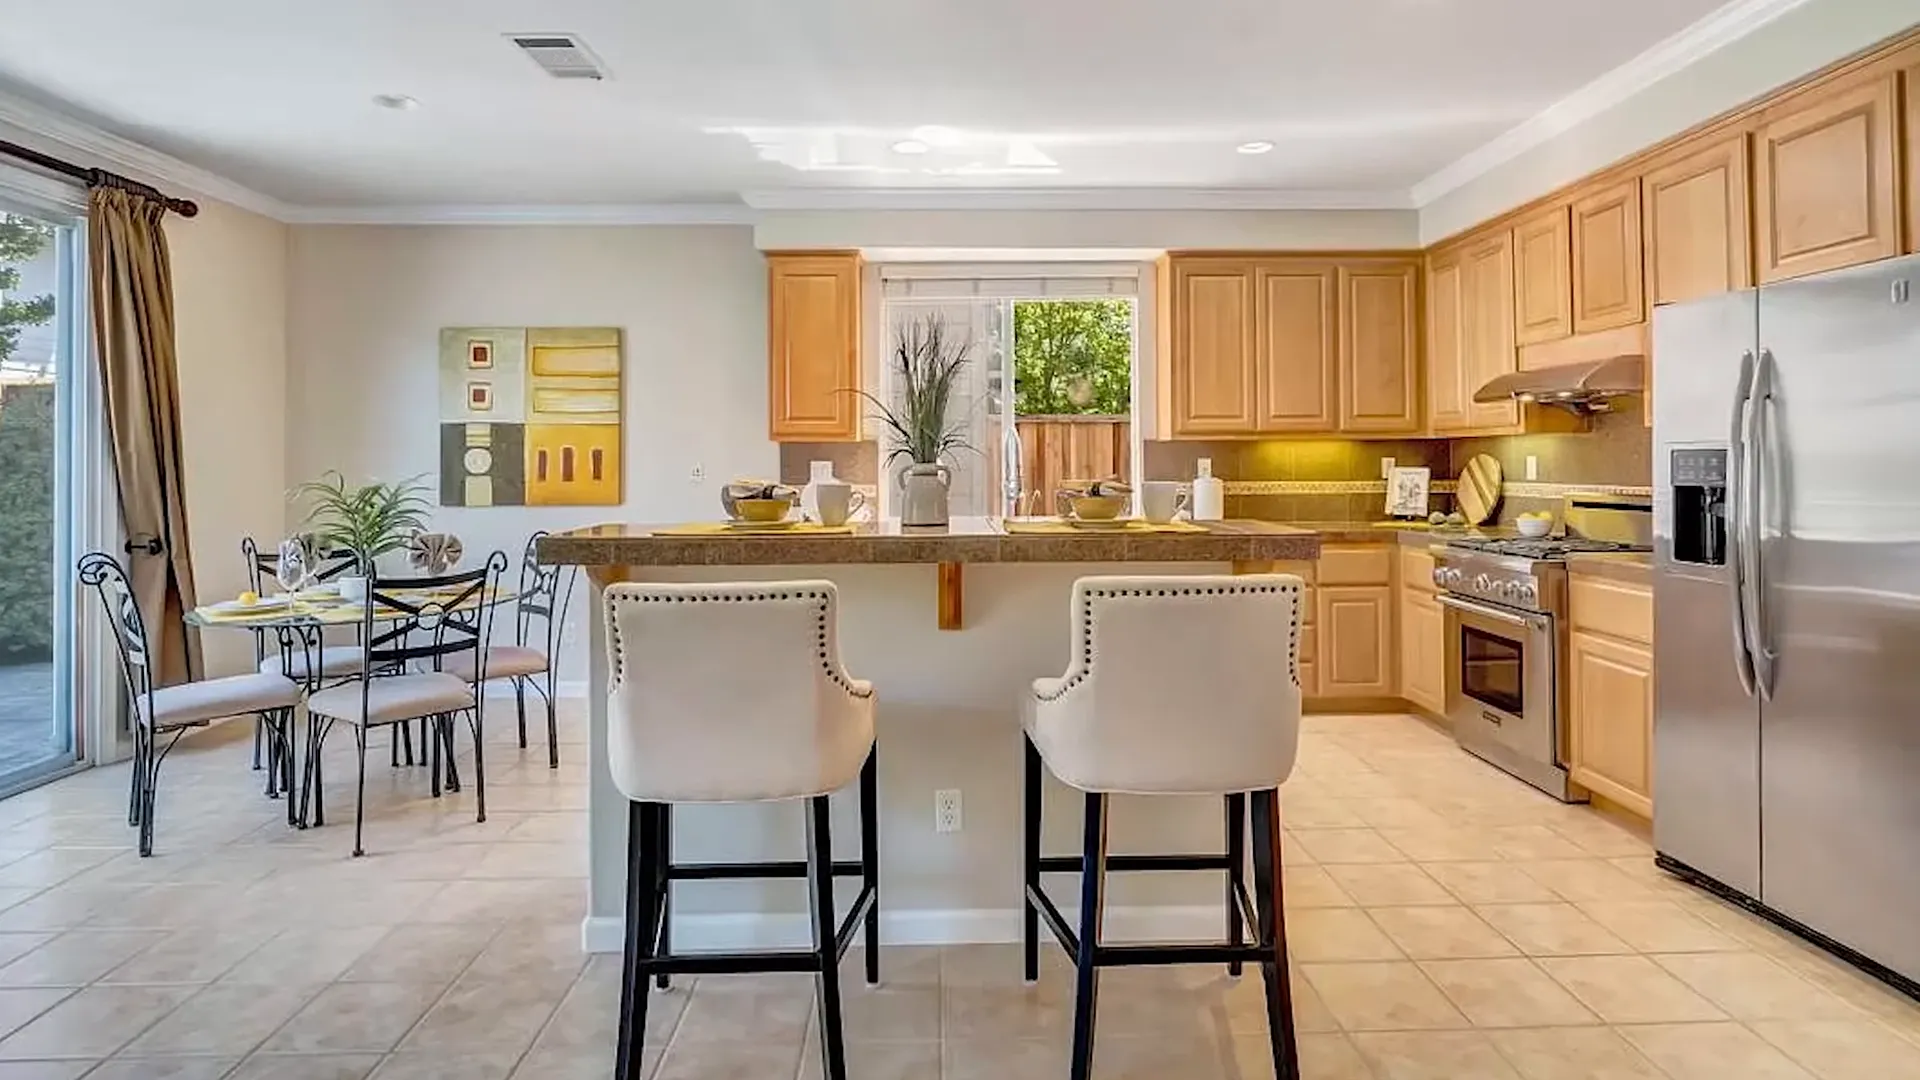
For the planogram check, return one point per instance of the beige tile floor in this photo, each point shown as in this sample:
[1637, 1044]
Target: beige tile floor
[1447, 923]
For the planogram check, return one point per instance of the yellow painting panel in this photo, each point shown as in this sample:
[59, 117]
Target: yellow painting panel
[600, 360]
[573, 464]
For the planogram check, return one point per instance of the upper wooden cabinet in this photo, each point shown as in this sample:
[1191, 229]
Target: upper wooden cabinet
[1486, 327]
[1213, 363]
[1289, 345]
[813, 302]
[1607, 290]
[1542, 271]
[1694, 200]
[1298, 346]
[1379, 347]
[1910, 82]
[1447, 390]
[1825, 181]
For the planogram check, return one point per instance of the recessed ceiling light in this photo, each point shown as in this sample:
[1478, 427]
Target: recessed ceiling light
[910, 146]
[397, 102]
[935, 135]
[1258, 146]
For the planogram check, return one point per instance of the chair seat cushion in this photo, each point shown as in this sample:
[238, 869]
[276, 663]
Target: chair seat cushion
[503, 662]
[393, 698]
[213, 699]
[336, 661]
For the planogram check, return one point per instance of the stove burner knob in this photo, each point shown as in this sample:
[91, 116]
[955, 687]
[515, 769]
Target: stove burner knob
[1526, 593]
[1482, 583]
[1502, 590]
[1440, 576]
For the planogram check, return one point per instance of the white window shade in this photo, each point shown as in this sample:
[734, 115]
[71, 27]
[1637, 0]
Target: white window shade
[948, 281]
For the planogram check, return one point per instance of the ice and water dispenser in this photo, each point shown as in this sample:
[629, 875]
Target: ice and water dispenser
[1700, 507]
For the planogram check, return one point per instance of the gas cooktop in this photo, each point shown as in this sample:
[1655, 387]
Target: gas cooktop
[1547, 547]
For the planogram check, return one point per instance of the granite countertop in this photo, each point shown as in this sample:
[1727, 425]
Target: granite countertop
[1633, 567]
[966, 540]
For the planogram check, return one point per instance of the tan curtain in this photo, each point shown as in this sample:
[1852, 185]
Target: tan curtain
[132, 282]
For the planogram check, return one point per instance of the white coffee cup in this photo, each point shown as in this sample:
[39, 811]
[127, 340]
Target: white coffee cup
[837, 501]
[1160, 500]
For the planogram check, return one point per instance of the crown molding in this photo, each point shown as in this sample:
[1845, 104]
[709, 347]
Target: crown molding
[138, 162]
[1712, 33]
[1031, 199]
[559, 214]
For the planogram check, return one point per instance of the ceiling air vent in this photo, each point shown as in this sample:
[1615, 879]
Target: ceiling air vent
[562, 56]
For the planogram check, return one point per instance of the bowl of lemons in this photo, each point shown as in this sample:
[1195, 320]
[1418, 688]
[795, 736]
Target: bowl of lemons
[1535, 524]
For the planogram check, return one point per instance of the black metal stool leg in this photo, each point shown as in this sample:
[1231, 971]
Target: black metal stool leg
[1030, 864]
[870, 857]
[663, 829]
[1270, 906]
[642, 909]
[1236, 874]
[833, 1048]
[1093, 881]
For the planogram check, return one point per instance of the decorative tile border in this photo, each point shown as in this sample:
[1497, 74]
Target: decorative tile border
[1526, 489]
[1322, 487]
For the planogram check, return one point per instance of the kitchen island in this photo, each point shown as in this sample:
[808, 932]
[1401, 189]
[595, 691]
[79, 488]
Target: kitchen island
[948, 720]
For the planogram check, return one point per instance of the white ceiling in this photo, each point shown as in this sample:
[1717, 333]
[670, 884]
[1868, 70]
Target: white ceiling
[710, 99]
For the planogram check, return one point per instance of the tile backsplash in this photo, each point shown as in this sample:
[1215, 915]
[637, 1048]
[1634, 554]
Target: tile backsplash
[856, 463]
[1618, 452]
[1300, 479]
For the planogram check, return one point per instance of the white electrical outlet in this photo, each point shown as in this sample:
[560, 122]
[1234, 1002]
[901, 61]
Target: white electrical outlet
[1533, 467]
[697, 474]
[946, 810]
[1386, 468]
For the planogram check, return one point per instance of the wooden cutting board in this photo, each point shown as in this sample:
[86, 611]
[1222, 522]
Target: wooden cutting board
[1479, 490]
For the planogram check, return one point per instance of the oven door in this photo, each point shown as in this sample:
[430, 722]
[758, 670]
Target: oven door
[1500, 689]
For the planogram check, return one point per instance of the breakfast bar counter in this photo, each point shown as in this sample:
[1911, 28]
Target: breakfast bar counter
[948, 694]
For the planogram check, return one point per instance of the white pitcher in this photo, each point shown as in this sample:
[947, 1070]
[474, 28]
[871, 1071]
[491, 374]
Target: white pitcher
[923, 494]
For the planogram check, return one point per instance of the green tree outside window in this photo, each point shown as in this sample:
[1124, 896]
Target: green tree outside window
[1072, 357]
[26, 461]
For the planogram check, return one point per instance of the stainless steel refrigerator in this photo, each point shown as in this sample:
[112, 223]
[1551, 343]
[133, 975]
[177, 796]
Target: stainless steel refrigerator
[1787, 604]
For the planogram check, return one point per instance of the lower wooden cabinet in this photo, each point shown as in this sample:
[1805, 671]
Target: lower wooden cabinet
[1355, 647]
[1611, 701]
[1423, 650]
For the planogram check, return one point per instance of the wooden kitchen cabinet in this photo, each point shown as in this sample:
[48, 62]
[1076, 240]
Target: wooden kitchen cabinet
[1697, 227]
[1355, 644]
[813, 307]
[1910, 139]
[1423, 641]
[1825, 184]
[1379, 347]
[1298, 347]
[1608, 288]
[1542, 271]
[1446, 351]
[1611, 698]
[1213, 362]
[1486, 331]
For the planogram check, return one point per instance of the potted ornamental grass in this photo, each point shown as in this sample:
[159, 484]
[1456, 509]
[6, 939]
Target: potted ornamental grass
[927, 423]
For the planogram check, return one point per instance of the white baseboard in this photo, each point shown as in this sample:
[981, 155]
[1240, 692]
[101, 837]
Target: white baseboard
[963, 926]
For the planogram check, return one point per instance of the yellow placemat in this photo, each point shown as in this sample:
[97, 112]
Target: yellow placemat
[1133, 526]
[721, 528]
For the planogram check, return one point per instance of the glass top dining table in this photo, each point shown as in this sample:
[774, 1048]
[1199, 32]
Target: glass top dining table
[330, 609]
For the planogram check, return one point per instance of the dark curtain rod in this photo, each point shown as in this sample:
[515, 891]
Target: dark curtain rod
[96, 177]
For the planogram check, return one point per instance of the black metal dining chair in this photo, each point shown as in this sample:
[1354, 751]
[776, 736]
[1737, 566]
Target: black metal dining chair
[275, 655]
[169, 712]
[532, 661]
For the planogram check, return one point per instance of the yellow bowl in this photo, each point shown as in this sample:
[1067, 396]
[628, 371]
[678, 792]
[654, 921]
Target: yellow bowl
[1096, 507]
[762, 511]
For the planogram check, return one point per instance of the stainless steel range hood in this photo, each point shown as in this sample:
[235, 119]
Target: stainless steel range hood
[1584, 387]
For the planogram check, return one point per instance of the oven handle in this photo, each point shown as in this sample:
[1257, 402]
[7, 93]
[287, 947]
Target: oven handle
[1511, 618]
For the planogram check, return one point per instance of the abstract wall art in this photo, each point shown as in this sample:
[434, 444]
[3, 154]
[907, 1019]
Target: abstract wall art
[530, 416]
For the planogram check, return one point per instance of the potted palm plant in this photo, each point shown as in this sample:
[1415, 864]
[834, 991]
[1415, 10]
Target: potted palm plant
[926, 425]
[371, 520]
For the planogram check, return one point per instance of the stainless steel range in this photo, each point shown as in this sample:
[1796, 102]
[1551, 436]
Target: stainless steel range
[1506, 601]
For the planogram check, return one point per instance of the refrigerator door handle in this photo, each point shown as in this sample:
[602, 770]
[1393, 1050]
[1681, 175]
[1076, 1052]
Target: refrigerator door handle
[1736, 522]
[1758, 472]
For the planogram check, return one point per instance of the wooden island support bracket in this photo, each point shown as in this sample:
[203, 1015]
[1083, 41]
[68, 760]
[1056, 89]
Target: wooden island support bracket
[952, 588]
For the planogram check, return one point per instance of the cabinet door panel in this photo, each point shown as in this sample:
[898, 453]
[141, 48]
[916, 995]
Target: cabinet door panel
[1611, 694]
[1355, 640]
[1824, 180]
[814, 347]
[1488, 329]
[1607, 285]
[1697, 232]
[1446, 357]
[1542, 269]
[1910, 82]
[1423, 677]
[1379, 347]
[1215, 381]
[1298, 347]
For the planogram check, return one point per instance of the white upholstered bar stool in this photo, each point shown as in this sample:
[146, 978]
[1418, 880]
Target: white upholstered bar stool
[1177, 686]
[728, 693]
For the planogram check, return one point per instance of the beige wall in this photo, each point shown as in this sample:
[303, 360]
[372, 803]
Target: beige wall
[230, 299]
[366, 304]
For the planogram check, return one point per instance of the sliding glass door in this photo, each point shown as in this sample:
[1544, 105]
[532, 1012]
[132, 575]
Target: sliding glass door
[41, 355]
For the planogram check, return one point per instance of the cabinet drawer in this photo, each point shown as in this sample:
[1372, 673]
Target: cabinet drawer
[1416, 568]
[1358, 564]
[1611, 607]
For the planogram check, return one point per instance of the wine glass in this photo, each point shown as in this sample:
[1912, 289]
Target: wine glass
[294, 569]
